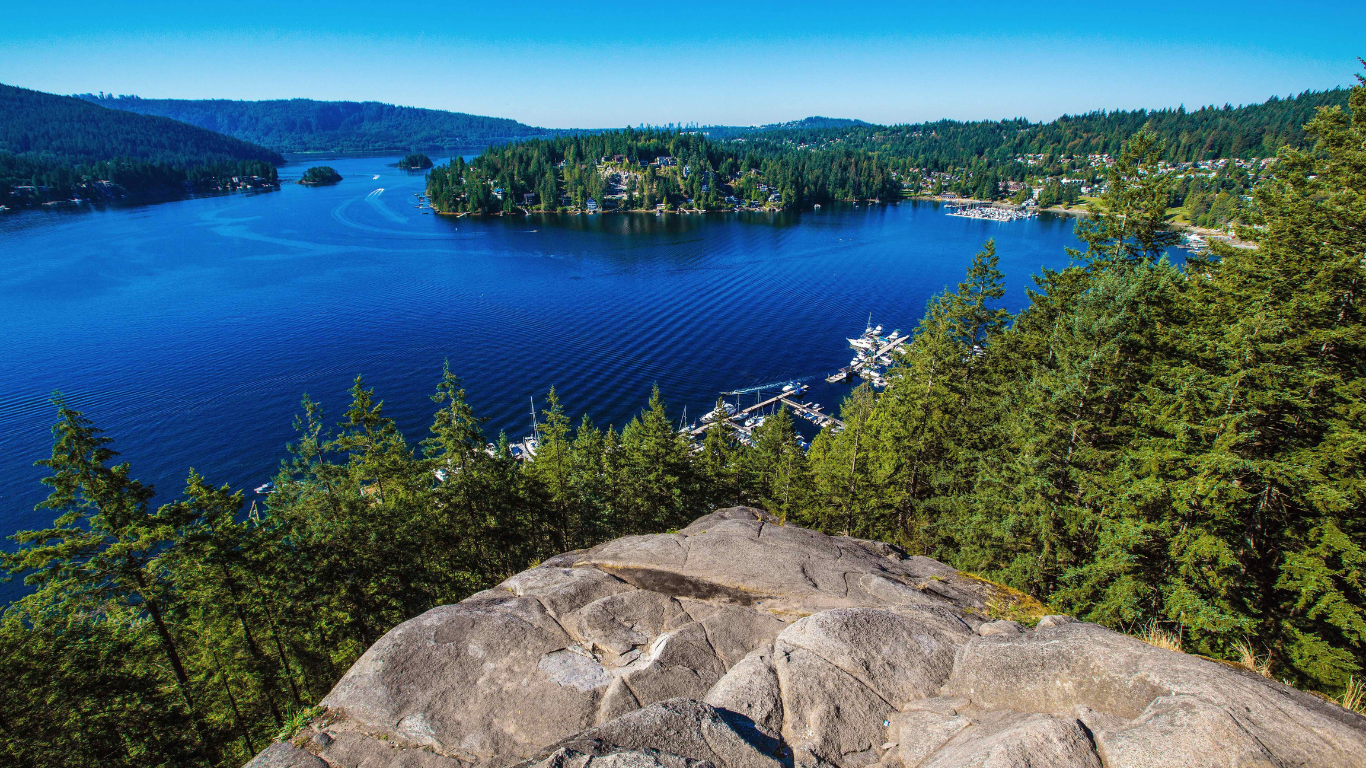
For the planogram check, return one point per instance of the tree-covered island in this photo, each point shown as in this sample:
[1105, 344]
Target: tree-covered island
[320, 175]
[645, 170]
[415, 162]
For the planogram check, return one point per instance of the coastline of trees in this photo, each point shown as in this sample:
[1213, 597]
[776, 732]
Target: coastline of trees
[55, 148]
[638, 170]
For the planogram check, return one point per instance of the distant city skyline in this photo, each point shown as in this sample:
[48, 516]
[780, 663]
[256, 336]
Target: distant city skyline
[614, 64]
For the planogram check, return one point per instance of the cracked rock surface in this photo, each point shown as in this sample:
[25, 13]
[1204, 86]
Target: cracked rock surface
[742, 643]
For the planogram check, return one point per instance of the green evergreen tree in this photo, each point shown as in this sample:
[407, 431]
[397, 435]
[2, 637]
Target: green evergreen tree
[658, 487]
[102, 547]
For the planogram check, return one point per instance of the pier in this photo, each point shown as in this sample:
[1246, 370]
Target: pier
[866, 365]
[991, 213]
[736, 421]
[870, 362]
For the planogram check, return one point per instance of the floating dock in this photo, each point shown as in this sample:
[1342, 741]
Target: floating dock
[872, 359]
[811, 413]
[991, 212]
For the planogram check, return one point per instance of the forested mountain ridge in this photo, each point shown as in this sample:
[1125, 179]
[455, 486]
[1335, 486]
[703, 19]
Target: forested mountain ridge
[1255, 130]
[813, 122]
[56, 146]
[306, 125]
[76, 131]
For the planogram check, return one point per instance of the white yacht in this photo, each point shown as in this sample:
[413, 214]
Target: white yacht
[728, 408]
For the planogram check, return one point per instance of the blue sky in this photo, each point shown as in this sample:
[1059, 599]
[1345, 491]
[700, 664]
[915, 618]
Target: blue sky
[599, 64]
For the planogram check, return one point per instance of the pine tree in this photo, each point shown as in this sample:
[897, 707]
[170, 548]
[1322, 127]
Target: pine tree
[924, 423]
[774, 470]
[658, 487]
[1130, 225]
[102, 547]
[553, 469]
[842, 473]
[716, 461]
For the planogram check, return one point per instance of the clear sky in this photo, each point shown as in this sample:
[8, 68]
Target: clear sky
[603, 64]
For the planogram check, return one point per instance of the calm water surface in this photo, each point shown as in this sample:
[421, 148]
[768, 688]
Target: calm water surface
[190, 330]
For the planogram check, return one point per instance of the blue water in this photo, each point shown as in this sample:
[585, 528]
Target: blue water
[189, 330]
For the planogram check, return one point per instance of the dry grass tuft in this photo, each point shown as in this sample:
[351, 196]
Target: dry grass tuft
[1248, 659]
[1156, 636]
[1353, 695]
[1005, 603]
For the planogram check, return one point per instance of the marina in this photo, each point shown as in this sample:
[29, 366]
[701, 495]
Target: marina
[745, 420]
[873, 357]
[989, 212]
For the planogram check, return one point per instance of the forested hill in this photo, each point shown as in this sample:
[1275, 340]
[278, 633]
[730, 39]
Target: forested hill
[74, 131]
[57, 147]
[305, 125]
[1256, 130]
[814, 122]
[639, 169]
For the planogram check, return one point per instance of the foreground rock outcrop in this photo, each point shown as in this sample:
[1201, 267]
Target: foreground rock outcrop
[742, 643]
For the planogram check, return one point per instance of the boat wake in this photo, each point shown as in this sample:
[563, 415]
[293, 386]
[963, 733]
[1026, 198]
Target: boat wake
[339, 216]
[382, 209]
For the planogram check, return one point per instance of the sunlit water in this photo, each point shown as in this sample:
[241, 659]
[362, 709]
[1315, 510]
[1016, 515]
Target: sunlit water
[189, 330]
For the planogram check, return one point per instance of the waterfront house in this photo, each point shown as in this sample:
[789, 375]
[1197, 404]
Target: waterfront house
[592, 205]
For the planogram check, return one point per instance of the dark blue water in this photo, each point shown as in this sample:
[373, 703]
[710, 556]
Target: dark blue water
[189, 330]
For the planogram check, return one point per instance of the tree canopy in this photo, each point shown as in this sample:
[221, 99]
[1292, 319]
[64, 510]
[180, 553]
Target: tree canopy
[306, 125]
[65, 144]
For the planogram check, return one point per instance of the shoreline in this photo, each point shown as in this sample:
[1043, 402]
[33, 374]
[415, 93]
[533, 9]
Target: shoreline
[1205, 232]
[579, 212]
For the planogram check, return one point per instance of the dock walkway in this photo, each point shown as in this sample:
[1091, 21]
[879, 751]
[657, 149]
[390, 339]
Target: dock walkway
[821, 419]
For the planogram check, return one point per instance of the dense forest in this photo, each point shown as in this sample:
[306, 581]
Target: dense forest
[822, 159]
[638, 169]
[1257, 130]
[718, 132]
[65, 145]
[1145, 442]
[1062, 160]
[305, 125]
